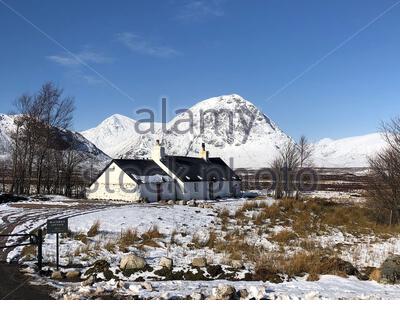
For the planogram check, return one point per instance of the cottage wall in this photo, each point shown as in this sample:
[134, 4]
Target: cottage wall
[114, 184]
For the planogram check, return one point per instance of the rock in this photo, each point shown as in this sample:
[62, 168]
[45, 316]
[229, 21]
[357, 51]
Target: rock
[199, 262]
[197, 296]
[237, 264]
[334, 265]
[71, 275]
[243, 294]
[135, 288]
[214, 270]
[56, 275]
[207, 206]
[224, 292]
[147, 285]
[89, 281]
[166, 263]
[182, 202]
[390, 270]
[192, 203]
[375, 275]
[132, 262]
[171, 202]
[98, 267]
[99, 290]
[108, 274]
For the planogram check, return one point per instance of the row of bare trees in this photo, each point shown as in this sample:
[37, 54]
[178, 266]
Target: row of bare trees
[42, 161]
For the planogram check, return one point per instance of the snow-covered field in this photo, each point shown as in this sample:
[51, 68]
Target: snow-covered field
[183, 233]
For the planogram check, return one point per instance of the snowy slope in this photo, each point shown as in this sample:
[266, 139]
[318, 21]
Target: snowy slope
[115, 133]
[251, 139]
[347, 152]
[93, 154]
[6, 126]
[233, 140]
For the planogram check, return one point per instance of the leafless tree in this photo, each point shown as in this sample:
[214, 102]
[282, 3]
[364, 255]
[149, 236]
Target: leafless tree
[384, 182]
[285, 165]
[37, 145]
[305, 149]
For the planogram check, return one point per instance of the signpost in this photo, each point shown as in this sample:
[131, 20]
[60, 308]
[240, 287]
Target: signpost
[57, 226]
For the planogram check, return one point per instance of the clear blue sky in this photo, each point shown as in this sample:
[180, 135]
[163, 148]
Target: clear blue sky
[189, 50]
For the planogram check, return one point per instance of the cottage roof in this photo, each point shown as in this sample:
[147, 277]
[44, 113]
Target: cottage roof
[197, 169]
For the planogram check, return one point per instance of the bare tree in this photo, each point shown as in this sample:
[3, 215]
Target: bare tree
[285, 165]
[384, 182]
[305, 149]
[37, 144]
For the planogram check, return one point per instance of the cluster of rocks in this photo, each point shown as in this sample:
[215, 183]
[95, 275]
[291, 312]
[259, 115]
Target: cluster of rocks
[389, 271]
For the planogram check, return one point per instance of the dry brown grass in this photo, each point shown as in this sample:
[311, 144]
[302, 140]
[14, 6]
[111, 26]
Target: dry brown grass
[29, 250]
[284, 236]
[111, 246]
[152, 233]
[94, 229]
[128, 238]
[80, 236]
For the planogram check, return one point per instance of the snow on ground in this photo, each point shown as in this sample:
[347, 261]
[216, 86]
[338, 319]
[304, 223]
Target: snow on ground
[328, 287]
[185, 223]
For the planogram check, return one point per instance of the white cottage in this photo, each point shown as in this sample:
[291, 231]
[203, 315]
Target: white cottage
[166, 177]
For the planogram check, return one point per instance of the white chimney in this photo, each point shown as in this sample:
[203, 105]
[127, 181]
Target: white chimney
[203, 153]
[158, 151]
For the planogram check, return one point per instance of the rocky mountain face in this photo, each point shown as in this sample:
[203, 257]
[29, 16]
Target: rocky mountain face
[94, 155]
[233, 129]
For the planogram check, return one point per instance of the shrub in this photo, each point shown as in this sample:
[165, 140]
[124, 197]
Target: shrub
[94, 229]
[128, 238]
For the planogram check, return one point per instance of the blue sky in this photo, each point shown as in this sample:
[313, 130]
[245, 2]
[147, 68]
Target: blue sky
[135, 52]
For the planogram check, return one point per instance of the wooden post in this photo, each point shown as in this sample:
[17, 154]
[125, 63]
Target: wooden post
[39, 250]
[57, 252]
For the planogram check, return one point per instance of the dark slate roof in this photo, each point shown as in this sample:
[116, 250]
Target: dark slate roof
[139, 167]
[197, 169]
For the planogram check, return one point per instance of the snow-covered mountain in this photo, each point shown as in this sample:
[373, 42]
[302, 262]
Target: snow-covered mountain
[347, 152]
[233, 129]
[6, 126]
[93, 154]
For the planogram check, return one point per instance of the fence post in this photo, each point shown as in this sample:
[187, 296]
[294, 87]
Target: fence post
[40, 252]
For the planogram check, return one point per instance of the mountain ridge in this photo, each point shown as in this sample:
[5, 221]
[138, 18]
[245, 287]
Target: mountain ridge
[240, 148]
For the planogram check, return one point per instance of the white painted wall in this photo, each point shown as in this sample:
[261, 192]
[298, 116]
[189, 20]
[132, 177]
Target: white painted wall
[114, 184]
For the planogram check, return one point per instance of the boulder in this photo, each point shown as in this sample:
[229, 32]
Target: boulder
[196, 296]
[243, 294]
[199, 262]
[375, 275]
[166, 263]
[71, 275]
[182, 202]
[192, 203]
[132, 262]
[56, 275]
[224, 292]
[98, 267]
[171, 202]
[334, 265]
[215, 270]
[147, 286]
[237, 264]
[390, 270]
[89, 281]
